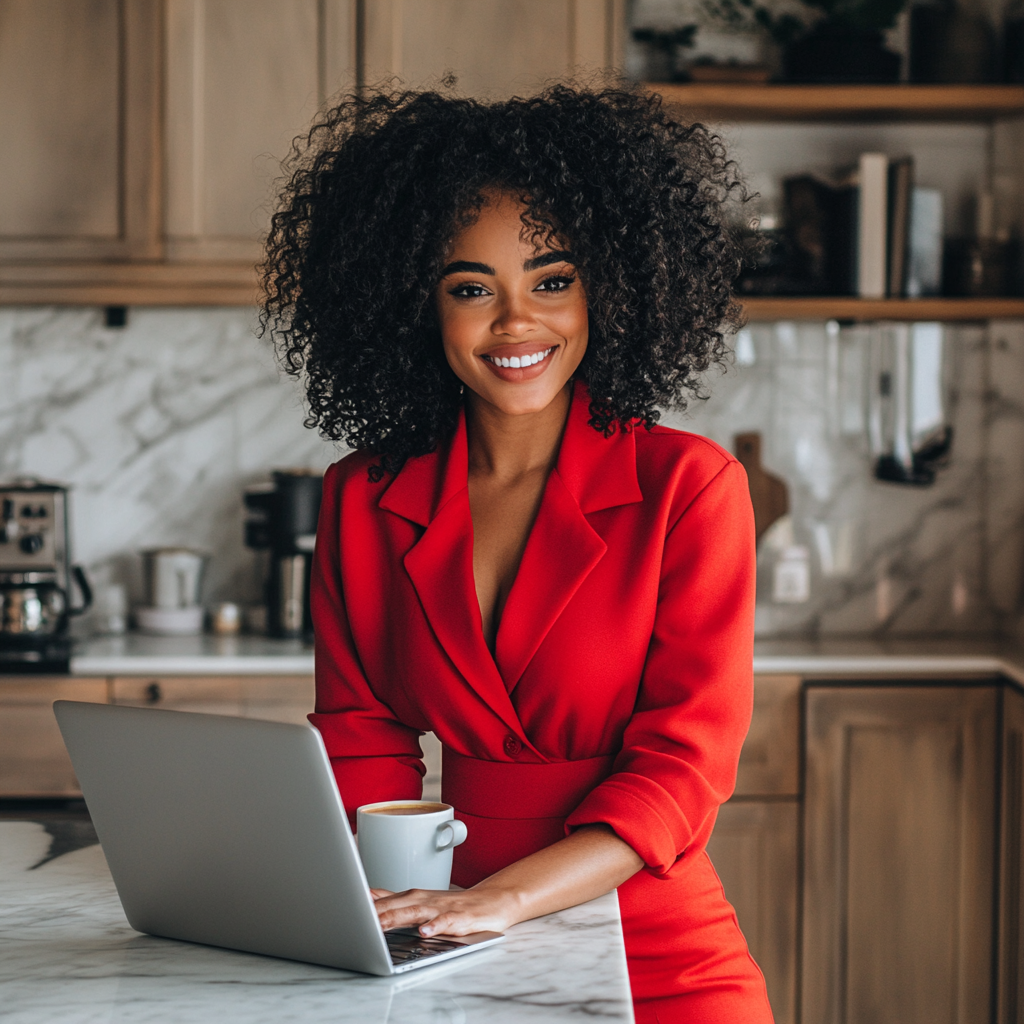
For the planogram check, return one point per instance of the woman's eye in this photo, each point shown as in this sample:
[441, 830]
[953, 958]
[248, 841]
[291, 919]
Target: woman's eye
[554, 284]
[468, 291]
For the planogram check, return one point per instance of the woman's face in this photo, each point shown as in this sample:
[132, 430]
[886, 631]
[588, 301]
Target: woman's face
[513, 316]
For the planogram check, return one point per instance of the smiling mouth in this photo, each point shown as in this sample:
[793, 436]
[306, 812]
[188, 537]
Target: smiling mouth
[520, 362]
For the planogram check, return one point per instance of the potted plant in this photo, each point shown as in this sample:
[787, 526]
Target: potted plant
[831, 41]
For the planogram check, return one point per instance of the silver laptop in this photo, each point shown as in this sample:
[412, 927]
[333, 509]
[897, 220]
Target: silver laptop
[231, 832]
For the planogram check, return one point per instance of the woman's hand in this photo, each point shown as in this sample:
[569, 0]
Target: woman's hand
[587, 864]
[446, 913]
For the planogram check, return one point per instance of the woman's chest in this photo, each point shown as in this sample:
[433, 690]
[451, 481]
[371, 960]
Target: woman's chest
[570, 648]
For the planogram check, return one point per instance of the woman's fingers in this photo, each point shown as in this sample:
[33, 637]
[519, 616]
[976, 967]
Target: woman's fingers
[379, 894]
[438, 912]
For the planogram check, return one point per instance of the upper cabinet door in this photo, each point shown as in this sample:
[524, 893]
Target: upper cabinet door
[79, 129]
[494, 47]
[244, 77]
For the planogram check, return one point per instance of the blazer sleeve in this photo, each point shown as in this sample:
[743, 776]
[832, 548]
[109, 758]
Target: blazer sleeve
[374, 755]
[682, 744]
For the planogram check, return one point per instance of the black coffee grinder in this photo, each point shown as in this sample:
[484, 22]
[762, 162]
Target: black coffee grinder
[282, 520]
[35, 578]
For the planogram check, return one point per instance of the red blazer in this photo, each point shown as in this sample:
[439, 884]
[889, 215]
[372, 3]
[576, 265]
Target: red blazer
[628, 630]
[621, 687]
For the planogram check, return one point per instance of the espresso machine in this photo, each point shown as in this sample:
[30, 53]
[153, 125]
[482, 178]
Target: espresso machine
[35, 578]
[282, 521]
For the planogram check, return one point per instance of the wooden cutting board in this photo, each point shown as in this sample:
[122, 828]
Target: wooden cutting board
[768, 493]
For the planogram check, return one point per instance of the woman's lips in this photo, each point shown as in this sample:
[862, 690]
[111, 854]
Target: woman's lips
[536, 362]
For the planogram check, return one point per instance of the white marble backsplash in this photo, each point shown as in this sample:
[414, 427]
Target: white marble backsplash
[158, 426]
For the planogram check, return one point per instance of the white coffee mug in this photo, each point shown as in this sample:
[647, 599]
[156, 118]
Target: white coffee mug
[407, 844]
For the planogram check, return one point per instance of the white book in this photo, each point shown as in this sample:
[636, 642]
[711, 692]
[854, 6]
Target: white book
[872, 225]
[924, 264]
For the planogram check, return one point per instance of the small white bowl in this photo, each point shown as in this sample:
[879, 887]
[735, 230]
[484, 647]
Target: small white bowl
[170, 621]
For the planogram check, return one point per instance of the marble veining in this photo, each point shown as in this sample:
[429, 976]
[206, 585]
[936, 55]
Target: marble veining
[68, 955]
[160, 425]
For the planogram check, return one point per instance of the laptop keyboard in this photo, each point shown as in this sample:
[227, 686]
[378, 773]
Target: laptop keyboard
[407, 944]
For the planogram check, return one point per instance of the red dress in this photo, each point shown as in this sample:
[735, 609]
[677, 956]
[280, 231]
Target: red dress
[620, 690]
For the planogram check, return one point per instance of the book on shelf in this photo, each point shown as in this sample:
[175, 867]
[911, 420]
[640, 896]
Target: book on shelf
[872, 225]
[901, 187]
[868, 233]
[924, 258]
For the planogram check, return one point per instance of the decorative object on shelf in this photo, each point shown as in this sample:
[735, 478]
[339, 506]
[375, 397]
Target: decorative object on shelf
[1013, 42]
[833, 41]
[663, 51]
[924, 260]
[982, 265]
[225, 618]
[949, 44]
[768, 493]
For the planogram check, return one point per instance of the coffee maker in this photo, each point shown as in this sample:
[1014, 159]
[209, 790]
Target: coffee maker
[282, 521]
[35, 578]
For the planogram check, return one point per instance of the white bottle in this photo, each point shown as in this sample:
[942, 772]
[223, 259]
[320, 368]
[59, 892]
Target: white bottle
[791, 576]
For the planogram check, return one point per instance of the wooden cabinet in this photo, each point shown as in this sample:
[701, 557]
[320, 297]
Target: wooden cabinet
[80, 129]
[244, 77]
[899, 851]
[141, 140]
[1010, 981]
[33, 761]
[754, 847]
[755, 850]
[493, 47]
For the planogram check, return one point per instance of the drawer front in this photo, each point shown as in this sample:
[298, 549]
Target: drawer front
[33, 761]
[770, 760]
[215, 695]
[273, 698]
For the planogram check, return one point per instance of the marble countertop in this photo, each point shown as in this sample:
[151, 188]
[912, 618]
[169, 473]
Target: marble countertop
[69, 955]
[135, 654]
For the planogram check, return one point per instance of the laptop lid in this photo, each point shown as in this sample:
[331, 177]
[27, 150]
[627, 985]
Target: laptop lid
[225, 831]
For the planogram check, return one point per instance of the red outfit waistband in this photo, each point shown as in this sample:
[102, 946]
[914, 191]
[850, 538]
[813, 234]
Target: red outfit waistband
[510, 789]
[512, 809]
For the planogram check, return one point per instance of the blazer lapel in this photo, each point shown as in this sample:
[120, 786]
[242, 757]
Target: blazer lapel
[433, 491]
[593, 473]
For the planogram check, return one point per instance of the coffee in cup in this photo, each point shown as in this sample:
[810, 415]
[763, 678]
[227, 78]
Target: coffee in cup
[408, 844]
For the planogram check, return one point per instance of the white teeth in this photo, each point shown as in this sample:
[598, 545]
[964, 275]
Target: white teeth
[518, 362]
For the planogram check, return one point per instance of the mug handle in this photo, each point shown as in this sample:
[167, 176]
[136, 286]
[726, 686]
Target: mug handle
[456, 834]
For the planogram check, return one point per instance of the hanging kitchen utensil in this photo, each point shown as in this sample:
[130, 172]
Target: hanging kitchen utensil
[907, 419]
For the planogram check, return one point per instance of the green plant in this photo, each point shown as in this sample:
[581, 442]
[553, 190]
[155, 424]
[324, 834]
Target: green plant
[666, 40]
[750, 15]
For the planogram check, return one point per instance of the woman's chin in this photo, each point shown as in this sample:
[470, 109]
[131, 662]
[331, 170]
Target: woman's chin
[525, 399]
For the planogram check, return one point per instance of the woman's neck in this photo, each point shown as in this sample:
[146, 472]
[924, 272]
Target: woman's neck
[508, 447]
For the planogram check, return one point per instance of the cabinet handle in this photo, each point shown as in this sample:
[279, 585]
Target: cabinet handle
[153, 694]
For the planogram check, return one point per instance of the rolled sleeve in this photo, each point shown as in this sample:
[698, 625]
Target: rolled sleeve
[681, 746]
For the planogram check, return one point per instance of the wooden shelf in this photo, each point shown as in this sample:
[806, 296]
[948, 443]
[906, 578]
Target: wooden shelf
[128, 284]
[743, 102]
[843, 308]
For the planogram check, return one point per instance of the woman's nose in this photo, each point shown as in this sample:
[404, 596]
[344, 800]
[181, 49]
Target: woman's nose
[514, 318]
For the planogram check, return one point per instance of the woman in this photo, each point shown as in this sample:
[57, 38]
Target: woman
[490, 303]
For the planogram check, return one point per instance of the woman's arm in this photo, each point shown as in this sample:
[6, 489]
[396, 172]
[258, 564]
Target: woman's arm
[588, 863]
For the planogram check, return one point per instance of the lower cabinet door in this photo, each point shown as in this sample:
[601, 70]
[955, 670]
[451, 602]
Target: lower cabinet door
[754, 849]
[1010, 1008]
[33, 761]
[899, 854]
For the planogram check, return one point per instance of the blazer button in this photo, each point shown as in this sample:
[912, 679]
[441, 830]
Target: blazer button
[512, 746]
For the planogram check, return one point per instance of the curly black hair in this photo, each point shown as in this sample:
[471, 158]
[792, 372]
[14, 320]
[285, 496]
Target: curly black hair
[382, 183]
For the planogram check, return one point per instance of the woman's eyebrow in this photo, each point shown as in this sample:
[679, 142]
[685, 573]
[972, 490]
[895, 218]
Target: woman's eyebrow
[467, 267]
[545, 260]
